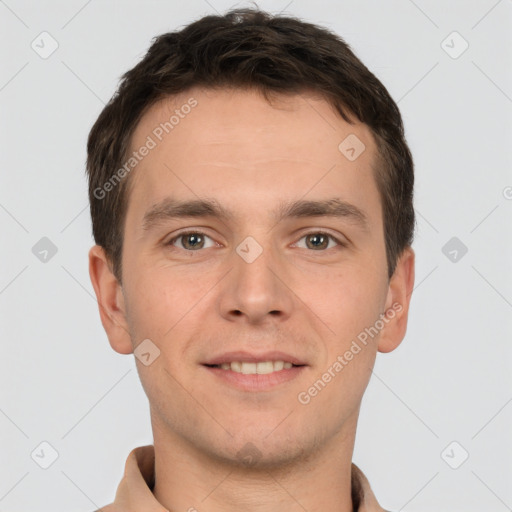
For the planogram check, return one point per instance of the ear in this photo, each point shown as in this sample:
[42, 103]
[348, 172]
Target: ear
[397, 302]
[109, 294]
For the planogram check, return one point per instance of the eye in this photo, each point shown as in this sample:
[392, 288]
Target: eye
[195, 240]
[318, 240]
[192, 241]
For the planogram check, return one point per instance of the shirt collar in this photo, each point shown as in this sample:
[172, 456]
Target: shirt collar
[134, 493]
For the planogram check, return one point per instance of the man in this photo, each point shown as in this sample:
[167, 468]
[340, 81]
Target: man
[251, 198]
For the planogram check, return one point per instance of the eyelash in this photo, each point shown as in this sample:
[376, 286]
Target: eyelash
[186, 233]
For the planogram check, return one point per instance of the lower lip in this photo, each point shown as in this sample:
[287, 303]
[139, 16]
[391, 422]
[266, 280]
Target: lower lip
[256, 382]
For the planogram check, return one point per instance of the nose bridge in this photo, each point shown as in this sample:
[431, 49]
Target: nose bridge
[253, 262]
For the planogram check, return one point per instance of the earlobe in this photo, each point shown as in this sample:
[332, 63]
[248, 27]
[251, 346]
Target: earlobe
[110, 301]
[397, 302]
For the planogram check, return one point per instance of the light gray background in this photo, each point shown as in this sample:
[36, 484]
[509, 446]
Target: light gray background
[450, 380]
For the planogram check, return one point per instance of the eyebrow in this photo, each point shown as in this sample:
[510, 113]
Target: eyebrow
[171, 208]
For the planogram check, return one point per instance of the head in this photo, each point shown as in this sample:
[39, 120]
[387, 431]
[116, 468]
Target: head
[285, 157]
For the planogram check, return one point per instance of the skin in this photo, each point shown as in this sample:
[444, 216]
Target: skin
[193, 304]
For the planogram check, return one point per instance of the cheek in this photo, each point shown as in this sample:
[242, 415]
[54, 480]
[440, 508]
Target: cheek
[166, 303]
[349, 304]
[153, 303]
[348, 300]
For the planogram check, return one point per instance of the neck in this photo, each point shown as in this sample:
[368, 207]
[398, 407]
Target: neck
[187, 479]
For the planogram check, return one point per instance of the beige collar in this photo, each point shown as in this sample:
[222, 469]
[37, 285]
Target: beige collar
[134, 492]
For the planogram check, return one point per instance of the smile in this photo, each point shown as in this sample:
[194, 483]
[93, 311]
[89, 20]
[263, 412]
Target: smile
[250, 368]
[255, 376]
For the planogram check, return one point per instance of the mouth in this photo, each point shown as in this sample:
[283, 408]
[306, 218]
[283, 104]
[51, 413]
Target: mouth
[255, 373]
[250, 368]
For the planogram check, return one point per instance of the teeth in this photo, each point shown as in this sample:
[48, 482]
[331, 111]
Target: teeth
[261, 368]
[264, 367]
[278, 365]
[249, 368]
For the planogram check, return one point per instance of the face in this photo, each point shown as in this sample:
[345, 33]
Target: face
[280, 257]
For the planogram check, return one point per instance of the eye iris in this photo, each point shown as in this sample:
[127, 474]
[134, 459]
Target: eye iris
[318, 238]
[194, 237]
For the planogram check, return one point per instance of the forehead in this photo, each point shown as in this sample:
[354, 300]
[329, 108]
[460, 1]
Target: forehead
[230, 142]
[237, 117]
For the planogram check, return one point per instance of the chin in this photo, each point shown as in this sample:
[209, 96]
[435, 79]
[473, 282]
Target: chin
[262, 451]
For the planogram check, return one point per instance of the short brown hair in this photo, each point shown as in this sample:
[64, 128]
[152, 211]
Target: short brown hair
[250, 48]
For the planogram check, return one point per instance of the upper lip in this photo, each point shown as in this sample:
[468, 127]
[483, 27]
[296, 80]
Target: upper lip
[242, 356]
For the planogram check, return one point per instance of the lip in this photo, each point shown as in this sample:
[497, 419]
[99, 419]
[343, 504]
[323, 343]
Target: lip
[255, 382]
[248, 357]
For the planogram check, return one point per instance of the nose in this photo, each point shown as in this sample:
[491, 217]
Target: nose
[256, 290]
